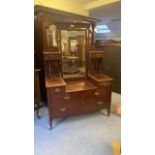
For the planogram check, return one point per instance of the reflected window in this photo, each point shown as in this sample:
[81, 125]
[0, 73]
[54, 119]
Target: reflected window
[102, 29]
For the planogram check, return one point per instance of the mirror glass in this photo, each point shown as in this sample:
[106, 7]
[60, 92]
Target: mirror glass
[51, 36]
[73, 49]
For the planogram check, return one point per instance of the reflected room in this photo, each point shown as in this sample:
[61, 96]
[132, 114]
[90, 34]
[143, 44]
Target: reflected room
[73, 49]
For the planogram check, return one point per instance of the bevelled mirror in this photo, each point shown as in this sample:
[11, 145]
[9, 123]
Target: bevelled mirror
[51, 36]
[73, 49]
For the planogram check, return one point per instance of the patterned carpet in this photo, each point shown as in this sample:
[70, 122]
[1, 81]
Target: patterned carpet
[88, 134]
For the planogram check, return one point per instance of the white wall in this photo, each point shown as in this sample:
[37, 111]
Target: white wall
[111, 16]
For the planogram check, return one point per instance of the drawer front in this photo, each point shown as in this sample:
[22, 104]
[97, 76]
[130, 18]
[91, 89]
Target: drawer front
[105, 84]
[103, 93]
[65, 98]
[75, 103]
[56, 56]
[62, 110]
[100, 104]
[57, 90]
[55, 95]
[94, 105]
[101, 101]
[96, 55]
[94, 100]
[87, 96]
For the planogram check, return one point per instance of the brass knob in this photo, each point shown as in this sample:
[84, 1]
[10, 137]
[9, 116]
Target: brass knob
[97, 93]
[63, 109]
[57, 90]
[100, 103]
[67, 98]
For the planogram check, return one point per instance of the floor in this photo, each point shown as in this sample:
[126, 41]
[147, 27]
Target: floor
[88, 134]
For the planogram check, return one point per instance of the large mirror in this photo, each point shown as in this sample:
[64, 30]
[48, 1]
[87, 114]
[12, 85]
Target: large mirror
[73, 49]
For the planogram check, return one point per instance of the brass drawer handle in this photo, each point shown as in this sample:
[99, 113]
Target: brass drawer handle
[57, 90]
[97, 93]
[100, 103]
[67, 98]
[63, 109]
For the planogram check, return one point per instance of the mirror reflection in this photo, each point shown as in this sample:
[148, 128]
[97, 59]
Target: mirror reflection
[51, 36]
[73, 49]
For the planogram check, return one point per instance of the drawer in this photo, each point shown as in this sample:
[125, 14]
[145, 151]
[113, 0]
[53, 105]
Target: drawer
[66, 98]
[103, 93]
[101, 101]
[95, 106]
[100, 104]
[57, 90]
[105, 84]
[87, 97]
[52, 56]
[62, 110]
[96, 54]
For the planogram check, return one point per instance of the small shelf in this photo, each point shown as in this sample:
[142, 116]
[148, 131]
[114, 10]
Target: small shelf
[55, 82]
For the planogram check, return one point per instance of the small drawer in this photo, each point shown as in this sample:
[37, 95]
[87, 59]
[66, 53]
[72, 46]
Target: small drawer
[96, 54]
[105, 84]
[103, 93]
[100, 93]
[52, 56]
[57, 90]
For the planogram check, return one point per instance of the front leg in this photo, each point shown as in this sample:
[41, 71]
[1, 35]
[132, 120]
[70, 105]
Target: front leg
[108, 111]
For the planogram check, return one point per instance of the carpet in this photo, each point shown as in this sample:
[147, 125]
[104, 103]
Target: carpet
[88, 134]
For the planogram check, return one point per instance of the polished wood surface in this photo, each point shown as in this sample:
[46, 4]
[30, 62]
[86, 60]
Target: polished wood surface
[79, 85]
[78, 97]
[55, 81]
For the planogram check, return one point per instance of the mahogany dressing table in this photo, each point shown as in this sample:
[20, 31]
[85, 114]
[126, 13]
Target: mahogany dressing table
[85, 91]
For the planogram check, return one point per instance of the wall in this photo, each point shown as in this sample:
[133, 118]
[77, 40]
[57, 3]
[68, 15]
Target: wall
[112, 65]
[64, 5]
[111, 16]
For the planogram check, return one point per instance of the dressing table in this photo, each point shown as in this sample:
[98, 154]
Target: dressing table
[84, 91]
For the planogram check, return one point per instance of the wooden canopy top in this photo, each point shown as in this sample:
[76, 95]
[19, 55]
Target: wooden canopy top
[63, 16]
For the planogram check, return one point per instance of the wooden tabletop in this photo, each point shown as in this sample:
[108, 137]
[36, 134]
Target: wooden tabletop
[79, 85]
[55, 81]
